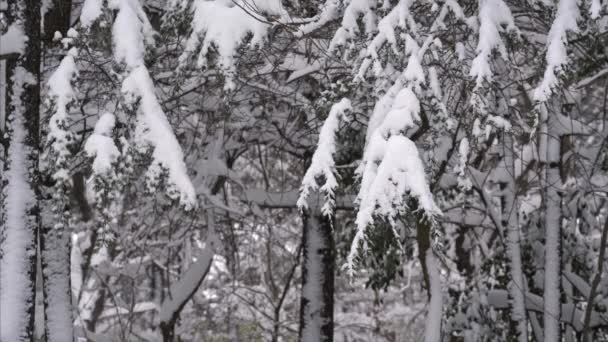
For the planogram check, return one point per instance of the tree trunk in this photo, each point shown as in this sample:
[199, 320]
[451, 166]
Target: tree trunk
[55, 254]
[20, 184]
[317, 300]
[510, 223]
[550, 157]
[431, 276]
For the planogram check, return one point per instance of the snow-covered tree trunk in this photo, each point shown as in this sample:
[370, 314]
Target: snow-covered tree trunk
[317, 299]
[20, 182]
[510, 223]
[549, 152]
[55, 254]
[431, 275]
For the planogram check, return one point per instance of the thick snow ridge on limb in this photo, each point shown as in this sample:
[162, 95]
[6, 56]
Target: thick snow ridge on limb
[323, 164]
[91, 10]
[349, 26]
[13, 40]
[391, 166]
[101, 146]
[557, 55]
[132, 32]
[62, 94]
[492, 15]
[224, 25]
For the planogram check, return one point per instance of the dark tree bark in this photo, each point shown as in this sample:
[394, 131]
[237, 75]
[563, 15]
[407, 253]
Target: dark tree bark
[317, 300]
[57, 18]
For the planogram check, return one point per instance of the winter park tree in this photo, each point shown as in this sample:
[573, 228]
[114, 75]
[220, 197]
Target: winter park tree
[324, 170]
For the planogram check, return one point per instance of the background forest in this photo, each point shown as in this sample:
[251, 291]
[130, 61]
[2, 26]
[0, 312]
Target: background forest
[303, 170]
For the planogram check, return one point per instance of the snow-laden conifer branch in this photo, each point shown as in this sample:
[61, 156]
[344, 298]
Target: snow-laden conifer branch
[131, 33]
[330, 11]
[61, 95]
[223, 26]
[493, 14]
[322, 163]
[91, 10]
[100, 146]
[398, 17]
[391, 167]
[557, 55]
[349, 27]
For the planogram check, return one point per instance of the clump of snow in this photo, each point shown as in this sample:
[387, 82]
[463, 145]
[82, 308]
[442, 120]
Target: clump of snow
[62, 94]
[398, 17]
[392, 168]
[492, 15]
[223, 25]
[101, 147]
[463, 153]
[323, 163]
[13, 40]
[557, 55]
[91, 10]
[156, 131]
[349, 27]
[132, 32]
[402, 115]
[329, 11]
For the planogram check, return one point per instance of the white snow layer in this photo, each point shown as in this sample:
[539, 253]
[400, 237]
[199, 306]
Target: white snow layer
[91, 10]
[557, 54]
[131, 33]
[224, 24]
[492, 15]
[62, 94]
[323, 163]
[101, 147]
[391, 167]
[13, 41]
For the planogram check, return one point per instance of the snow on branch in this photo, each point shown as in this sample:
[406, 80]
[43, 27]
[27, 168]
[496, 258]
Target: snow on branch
[13, 40]
[131, 33]
[61, 94]
[397, 17]
[101, 147]
[493, 14]
[391, 169]
[323, 164]
[329, 12]
[91, 10]
[349, 26]
[557, 55]
[224, 26]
